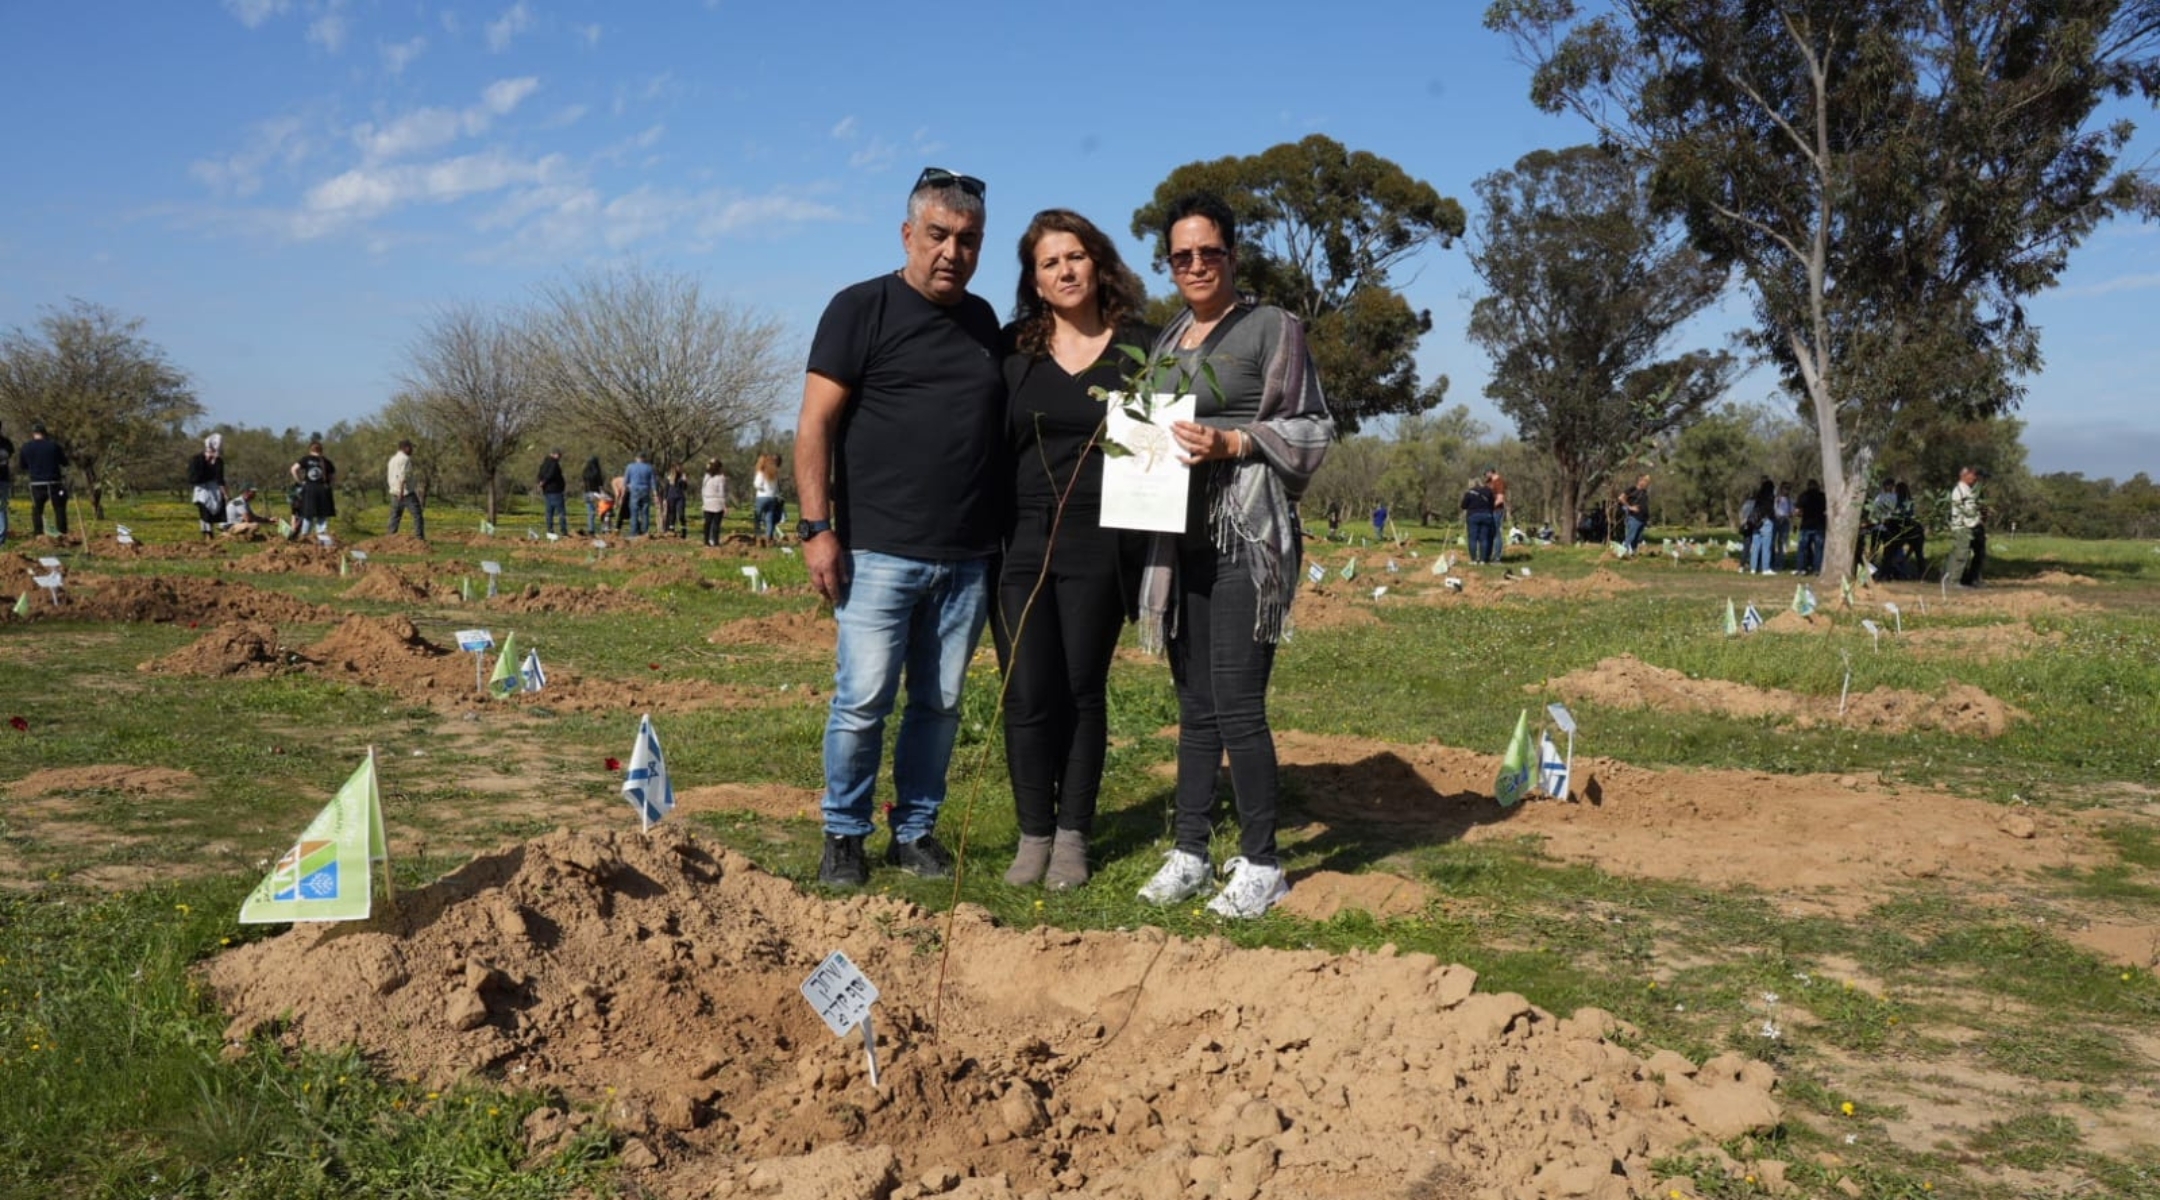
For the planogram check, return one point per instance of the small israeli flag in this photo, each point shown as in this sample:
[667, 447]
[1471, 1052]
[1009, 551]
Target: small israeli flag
[646, 784]
[1552, 768]
[1750, 621]
[1316, 572]
[530, 673]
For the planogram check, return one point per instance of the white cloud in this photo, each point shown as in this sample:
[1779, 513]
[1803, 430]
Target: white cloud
[591, 33]
[876, 156]
[367, 192]
[514, 20]
[397, 56]
[565, 116]
[739, 215]
[503, 95]
[253, 13]
[280, 140]
[427, 128]
[328, 29]
[450, 23]
[845, 127]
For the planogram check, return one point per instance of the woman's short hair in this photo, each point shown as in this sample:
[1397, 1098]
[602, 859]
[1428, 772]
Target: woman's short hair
[1202, 204]
[1119, 294]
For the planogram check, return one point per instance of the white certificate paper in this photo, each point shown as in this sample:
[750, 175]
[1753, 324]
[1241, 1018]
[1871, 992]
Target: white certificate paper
[1145, 488]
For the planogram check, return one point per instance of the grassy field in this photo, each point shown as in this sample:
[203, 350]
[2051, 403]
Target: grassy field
[1932, 1042]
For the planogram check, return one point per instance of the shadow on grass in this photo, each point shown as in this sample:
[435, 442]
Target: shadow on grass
[1376, 808]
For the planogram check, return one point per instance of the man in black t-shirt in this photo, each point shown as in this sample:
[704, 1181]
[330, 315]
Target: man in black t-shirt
[1635, 513]
[897, 464]
[45, 465]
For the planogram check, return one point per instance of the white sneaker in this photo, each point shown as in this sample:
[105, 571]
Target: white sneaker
[1183, 874]
[1252, 890]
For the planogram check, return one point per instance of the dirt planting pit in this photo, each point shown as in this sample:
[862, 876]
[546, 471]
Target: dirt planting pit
[173, 598]
[804, 631]
[657, 977]
[1627, 682]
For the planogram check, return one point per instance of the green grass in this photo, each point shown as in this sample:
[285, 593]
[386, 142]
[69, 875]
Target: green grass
[112, 1069]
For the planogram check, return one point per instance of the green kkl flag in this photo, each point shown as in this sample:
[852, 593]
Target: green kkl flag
[1732, 619]
[1518, 766]
[505, 680]
[22, 605]
[326, 875]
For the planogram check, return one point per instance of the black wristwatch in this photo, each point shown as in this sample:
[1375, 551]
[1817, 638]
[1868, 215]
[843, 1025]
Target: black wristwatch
[805, 530]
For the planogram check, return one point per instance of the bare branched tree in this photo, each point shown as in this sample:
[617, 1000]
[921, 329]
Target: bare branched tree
[468, 370]
[644, 360]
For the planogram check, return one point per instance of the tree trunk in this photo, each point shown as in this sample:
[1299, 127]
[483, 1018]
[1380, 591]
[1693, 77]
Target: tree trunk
[491, 499]
[95, 485]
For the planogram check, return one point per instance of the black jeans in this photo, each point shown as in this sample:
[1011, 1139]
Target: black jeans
[1222, 677]
[712, 528]
[1057, 671]
[40, 493]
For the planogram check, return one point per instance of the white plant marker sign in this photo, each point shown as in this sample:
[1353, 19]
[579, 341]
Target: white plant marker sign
[493, 570]
[359, 557]
[1897, 619]
[756, 578]
[1874, 631]
[477, 642]
[325, 540]
[842, 996]
[1564, 721]
[123, 535]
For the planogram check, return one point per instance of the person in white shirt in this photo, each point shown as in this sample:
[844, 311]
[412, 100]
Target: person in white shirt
[712, 492]
[402, 495]
[766, 484]
[1968, 531]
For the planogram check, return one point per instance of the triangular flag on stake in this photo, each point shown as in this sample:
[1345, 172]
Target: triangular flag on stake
[1750, 621]
[1517, 768]
[1803, 600]
[464, 587]
[1552, 768]
[284, 528]
[530, 672]
[1732, 619]
[344, 565]
[505, 679]
[1349, 570]
[646, 784]
[326, 875]
[22, 605]
[1845, 592]
[487, 527]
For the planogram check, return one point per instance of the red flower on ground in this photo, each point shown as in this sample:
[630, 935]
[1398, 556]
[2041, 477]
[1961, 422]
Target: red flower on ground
[614, 764]
[21, 726]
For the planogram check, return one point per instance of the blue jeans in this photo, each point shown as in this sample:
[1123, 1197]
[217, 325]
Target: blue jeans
[1811, 551]
[911, 614]
[640, 515]
[1484, 538]
[558, 515]
[592, 513]
[1758, 549]
[1780, 535]
[7, 493]
[768, 517]
[1633, 536]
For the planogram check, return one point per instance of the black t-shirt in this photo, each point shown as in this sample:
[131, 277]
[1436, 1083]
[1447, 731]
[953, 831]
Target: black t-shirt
[42, 460]
[1813, 510]
[7, 460]
[316, 471]
[1478, 501]
[919, 464]
[1050, 416]
[1637, 502]
[551, 476]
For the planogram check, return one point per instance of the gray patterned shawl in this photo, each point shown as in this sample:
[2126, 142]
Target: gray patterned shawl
[1251, 502]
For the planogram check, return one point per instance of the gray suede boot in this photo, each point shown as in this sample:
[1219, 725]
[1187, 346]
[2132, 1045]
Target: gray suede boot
[1028, 864]
[1068, 861]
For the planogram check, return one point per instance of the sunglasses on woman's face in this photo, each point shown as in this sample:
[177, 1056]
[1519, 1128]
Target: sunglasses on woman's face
[939, 177]
[1211, 257]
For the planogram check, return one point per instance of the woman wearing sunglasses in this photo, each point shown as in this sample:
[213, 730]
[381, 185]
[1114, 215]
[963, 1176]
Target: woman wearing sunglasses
[1219, 595]
[1062, 594]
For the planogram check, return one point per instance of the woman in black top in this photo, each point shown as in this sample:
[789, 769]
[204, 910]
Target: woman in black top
[316, 475]
[206, 483]
[1480, 522]
[594, 480]
[1062, 594]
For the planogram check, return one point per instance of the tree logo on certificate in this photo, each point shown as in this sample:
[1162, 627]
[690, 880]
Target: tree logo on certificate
[1144, 484]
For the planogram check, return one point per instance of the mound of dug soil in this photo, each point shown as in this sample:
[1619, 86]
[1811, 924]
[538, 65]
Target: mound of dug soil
[175, 598]
[663, 973]
[1836, 843]
[392, 585]
[562, 598]
[109, 777]
[1629, 682]
[392, 654]
[233, 648]
[1980, 643]
[290, 558]
[810, 631]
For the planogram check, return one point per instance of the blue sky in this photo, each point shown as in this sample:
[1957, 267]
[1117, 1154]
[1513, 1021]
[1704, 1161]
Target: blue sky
[284, 189]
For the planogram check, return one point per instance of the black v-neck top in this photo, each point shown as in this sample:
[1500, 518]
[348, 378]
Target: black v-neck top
[1051, 418]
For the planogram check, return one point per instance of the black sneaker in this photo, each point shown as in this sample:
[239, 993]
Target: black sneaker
[844, 865]
[923, 857]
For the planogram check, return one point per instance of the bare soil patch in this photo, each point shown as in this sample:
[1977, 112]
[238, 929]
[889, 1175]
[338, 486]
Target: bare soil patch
[660, 974]
[1825, 842]
[565, 599]
[109, 546]
[1629, 682]
[290, 558]
[1335, 605]
[803, 630]
[391, 653]
[149, 782]
[2057, 578]
[1323, 895]
[393, 585]
[777, 800]
[174, 598]
[1978, 643]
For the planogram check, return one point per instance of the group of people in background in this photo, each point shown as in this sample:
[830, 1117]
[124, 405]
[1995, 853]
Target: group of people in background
[1771, 516]
[1484, 509]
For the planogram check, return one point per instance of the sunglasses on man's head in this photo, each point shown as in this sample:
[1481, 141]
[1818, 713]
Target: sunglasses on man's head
[939, 177]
